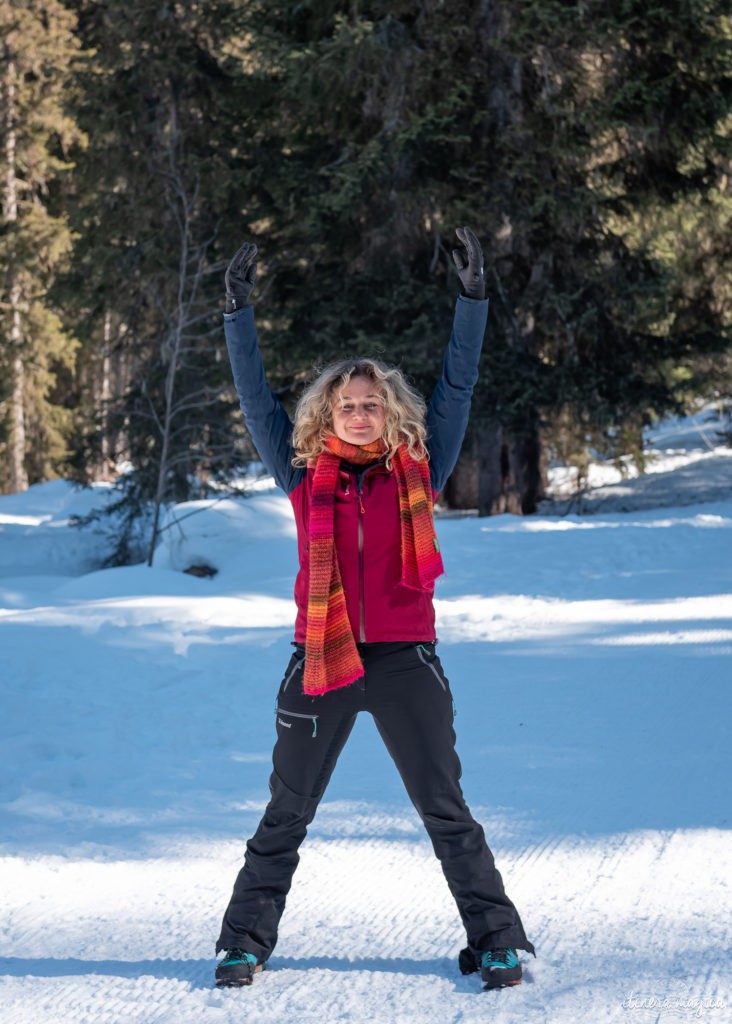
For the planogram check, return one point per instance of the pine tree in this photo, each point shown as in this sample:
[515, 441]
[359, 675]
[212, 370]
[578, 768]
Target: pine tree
[557, 130]
[158, 206]
[37, 52]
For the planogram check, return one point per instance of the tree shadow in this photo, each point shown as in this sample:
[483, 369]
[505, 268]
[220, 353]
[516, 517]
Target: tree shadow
[199, 973]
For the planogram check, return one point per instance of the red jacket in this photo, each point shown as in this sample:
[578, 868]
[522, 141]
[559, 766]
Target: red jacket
[368, 544]
[366, 521]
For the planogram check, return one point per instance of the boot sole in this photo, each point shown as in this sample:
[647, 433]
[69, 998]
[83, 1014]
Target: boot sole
[237, 982]
[492, 982]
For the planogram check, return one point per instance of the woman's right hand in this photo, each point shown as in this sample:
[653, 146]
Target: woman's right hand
[240, 277]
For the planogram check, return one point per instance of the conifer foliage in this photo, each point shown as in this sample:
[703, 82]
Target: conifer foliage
[560, 132]
[38, 52]
[157, 100]
[586, 143]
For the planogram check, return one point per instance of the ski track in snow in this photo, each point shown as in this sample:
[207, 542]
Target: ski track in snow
[589, 660]
[603, 943]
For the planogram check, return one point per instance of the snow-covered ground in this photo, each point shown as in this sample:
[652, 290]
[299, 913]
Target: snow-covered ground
[590, 661]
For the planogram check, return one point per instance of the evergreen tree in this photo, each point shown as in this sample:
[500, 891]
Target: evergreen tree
[559, 131]
[157, 206]
[586, 144]
[37, 52]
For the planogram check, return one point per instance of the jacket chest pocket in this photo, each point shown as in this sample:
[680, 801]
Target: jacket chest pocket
[345, 488]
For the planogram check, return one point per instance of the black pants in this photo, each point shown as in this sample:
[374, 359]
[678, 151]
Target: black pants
[406, 691]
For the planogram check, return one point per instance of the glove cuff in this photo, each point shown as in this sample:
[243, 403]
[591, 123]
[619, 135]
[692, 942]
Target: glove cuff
[235, 302]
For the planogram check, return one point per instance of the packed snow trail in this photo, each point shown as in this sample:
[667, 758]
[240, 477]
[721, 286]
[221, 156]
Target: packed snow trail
[589, 659]
[368, 935]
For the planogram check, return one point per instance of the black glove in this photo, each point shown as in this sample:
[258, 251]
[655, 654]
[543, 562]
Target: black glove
[469, 263]
[240, 277]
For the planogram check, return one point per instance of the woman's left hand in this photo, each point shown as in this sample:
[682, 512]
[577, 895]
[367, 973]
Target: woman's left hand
[469, 263]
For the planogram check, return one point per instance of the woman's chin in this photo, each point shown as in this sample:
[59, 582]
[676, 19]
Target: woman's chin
[360, 437]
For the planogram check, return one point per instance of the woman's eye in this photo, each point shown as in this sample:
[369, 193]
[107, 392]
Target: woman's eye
[371, 407]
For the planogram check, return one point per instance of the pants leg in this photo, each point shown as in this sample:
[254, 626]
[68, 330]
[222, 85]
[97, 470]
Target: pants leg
[410, 700]
[311, 733]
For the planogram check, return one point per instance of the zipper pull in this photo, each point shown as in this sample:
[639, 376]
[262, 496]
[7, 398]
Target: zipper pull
[360, 504]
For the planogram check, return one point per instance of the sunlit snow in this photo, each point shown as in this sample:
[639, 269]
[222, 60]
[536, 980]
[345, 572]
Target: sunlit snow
[589, 658]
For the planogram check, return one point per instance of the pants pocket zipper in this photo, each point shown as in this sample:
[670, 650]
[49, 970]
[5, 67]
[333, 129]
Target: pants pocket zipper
[296, 668]
[297, 714]
[421, 655]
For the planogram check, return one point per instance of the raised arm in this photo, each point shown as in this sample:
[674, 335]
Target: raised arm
[266, 420]
[449, 407]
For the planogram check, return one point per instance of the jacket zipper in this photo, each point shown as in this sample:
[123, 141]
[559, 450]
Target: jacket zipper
[361, 584]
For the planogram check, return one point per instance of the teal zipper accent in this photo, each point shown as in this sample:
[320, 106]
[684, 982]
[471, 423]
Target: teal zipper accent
[288, 678]
[421, 652]
[297, 714]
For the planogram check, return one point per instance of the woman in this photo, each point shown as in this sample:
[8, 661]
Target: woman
[362, 467]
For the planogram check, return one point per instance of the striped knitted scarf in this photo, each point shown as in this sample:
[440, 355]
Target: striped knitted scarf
[331, 655]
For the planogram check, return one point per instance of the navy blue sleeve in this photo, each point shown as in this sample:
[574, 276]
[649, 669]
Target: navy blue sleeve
[449, 407]
[266, 420]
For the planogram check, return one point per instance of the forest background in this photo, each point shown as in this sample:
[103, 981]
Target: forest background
[586, 143]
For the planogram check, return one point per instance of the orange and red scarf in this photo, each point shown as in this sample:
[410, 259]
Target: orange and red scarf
[331, 655]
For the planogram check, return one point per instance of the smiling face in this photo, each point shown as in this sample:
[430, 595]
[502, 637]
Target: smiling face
[358, 412]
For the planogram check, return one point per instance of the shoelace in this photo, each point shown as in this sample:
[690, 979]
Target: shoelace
[499, 958]
[232, 955]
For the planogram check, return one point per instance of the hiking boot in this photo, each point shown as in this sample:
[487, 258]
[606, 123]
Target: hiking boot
[500, 967]
[236, 969]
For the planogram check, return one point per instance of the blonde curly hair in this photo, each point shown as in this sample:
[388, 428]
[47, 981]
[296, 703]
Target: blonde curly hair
[404, 409]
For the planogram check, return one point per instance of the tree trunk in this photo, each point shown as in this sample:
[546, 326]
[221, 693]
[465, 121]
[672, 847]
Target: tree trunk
[510, 476]
[104, 398]
[497, 472]
[182, 204]
[461, 490]
[17, 475]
